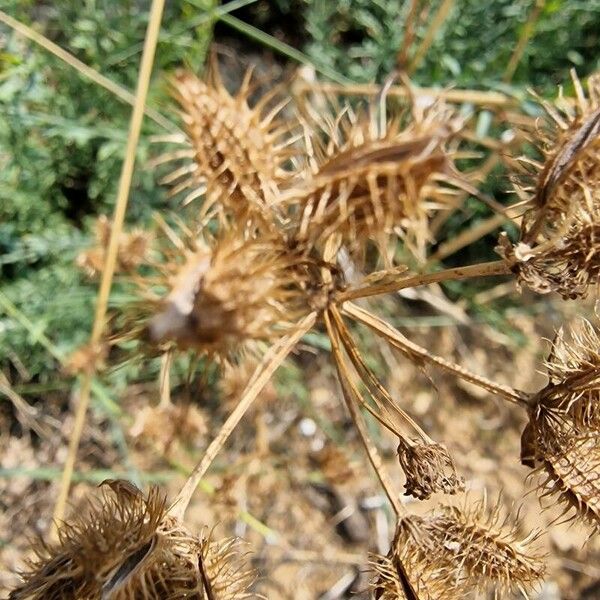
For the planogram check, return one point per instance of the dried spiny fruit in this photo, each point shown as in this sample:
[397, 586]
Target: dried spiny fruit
[127, 547]
[428, 469]
[461, 550]
[364, 184]
[562, 437]
[559, 249]
[223, 298]
[234, 152]
[132, 251]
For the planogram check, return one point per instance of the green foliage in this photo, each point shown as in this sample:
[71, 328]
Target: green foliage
[62, 139]
[358, 38]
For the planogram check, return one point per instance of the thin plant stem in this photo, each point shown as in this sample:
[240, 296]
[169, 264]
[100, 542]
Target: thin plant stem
[497, 267]
[526, 34]
[432, 30]
[456, 96]
[409, 35]
[350, 394]
[414, 351]
[259, 379]
[117, 90]
[137, 115]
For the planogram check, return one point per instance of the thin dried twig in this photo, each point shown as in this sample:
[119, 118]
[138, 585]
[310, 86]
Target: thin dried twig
[434, 26]
[147, 61]
[259, 379]
[528, 31]
[351, 397]
[497, 267]
[394, 337]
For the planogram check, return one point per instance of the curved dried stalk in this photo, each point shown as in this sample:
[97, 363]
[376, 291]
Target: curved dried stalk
[416, 352]
[135, 127]
[261, 376]
[351, 397]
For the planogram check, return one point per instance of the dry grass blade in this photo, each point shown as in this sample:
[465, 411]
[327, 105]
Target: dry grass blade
[137, 115]
[261, 376]
[114, 88]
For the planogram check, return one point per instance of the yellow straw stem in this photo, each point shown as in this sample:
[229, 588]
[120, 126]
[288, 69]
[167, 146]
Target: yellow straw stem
[434, 26]
[526, 34]
[111, 256]
[264, 371]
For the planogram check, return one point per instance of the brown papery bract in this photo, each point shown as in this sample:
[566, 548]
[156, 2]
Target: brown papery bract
[127, 547]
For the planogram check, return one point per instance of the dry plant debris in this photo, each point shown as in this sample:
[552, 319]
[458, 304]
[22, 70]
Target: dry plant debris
[292, 205]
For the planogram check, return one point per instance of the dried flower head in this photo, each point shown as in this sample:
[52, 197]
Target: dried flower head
[562, 437]
[133, 249]
[127, 547]
[559, 245]
[452, 551]
[233, 152]
[428, 468]
[222, 297]
[364, 184]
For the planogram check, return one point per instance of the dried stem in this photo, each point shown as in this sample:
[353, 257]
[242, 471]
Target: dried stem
[114, 88]
[434, 26]
[488, 99]
[147, 61]
[377, 391]
[395, 338]
[497, 267]
[259, 379]
[351, 397]
[528, 30]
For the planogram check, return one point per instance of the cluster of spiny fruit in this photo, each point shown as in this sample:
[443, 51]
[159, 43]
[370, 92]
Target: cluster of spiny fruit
[295, 203]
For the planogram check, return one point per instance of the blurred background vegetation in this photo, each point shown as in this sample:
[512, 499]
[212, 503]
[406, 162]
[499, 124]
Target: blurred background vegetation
[62, 137]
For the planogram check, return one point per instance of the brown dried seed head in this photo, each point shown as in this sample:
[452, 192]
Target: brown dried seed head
[461, 550]
[562, 437]
[428, 468]
[132, 252]
[232, 151]
[127, 547]
[363, 184]
[559, 249]
[224, 298]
